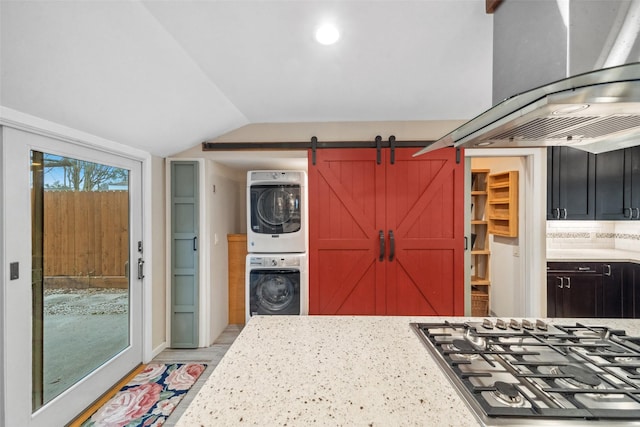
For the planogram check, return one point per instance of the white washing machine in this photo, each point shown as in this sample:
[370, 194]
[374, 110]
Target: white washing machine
[276, 211]
[277, 284]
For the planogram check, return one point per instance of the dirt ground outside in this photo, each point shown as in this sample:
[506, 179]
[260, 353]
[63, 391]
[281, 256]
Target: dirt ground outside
[83, 328]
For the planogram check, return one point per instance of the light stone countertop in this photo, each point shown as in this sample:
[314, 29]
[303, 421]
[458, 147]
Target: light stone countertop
[593, 255]
[330, 371]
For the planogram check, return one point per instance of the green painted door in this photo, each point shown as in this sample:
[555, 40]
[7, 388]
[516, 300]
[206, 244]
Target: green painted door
[184, 254]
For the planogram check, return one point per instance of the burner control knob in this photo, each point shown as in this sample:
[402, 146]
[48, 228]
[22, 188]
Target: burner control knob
[528, 325]
[274, 262]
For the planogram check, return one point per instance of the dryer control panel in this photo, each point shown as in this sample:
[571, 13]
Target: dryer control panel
[273, 261]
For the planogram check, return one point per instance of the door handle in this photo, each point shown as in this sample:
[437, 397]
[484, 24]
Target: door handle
[140, 269]
[381, 258]
[195, 243]
[392, 245]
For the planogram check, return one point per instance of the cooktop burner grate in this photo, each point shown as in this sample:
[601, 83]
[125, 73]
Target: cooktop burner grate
[521, 370]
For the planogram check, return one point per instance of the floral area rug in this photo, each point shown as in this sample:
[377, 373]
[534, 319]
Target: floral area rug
[149, 398]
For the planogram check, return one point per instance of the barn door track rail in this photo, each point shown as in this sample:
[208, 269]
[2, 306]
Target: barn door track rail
[313, 144]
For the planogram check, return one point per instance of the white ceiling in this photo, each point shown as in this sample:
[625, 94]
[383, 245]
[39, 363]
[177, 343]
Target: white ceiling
[163, 76]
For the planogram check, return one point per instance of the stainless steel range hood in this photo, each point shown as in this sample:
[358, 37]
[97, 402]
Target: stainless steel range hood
[597, 111]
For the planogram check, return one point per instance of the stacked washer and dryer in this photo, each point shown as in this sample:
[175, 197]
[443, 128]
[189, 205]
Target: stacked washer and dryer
[277, 242]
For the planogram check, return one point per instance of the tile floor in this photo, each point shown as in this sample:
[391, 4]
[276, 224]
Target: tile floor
[209, 355]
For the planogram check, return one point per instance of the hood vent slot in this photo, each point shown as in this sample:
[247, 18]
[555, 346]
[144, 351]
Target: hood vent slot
[542, 127]
[604, 126]
[562, 128]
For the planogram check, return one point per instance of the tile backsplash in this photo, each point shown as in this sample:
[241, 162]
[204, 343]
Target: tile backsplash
[623, 235]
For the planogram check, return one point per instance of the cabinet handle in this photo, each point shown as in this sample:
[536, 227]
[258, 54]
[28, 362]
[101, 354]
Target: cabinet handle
[556, 212]
[381, 236]
[565, 212]
[392, 245]
[637, 212]
[195, 243]
[608, 273]
[584, 268]
[624, 213]
[561, 285]
[568, 285]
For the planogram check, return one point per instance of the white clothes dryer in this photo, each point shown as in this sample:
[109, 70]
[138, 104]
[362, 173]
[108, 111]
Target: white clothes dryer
[277, 284]
[276, 211]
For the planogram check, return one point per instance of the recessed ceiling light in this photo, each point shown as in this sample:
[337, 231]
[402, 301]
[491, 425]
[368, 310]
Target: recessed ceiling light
[327, 34]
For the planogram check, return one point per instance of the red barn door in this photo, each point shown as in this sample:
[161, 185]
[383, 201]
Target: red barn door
[360, 210]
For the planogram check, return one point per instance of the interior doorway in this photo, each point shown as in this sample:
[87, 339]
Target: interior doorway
[518, 287]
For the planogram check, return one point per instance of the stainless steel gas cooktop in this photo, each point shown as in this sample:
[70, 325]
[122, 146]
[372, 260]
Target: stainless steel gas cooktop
[523, 372]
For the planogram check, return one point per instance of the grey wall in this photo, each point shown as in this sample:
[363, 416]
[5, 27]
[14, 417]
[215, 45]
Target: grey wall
[533, 45]
[529, 46]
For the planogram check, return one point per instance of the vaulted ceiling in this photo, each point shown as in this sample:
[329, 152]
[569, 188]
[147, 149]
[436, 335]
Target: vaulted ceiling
[164, 76]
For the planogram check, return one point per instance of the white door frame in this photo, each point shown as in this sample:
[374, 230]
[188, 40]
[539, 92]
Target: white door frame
[533, 291]
[11, 119]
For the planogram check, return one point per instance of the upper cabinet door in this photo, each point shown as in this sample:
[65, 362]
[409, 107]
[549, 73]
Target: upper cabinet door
[611, 176]
[570, 184]
[618, 184]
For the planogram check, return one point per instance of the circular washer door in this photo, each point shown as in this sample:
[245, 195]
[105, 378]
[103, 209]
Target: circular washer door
[276, 206]
[275, 293]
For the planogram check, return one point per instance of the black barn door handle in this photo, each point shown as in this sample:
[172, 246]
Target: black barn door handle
[392, 245]
[381, 258]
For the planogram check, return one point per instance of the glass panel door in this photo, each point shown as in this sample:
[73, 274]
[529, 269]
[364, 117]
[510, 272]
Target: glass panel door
[73, 223]
[80, 256]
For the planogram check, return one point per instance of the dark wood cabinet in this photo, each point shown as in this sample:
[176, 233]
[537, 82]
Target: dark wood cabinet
[618, 184]
[574, 289]
[612, 290]
[631, 291]
[604, 290]
[570, 184]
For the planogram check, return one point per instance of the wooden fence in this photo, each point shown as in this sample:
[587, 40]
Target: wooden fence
[86, 234]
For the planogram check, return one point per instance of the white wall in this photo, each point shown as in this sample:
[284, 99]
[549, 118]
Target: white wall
[225, 216]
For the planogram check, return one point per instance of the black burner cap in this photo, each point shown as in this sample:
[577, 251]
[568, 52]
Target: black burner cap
[506, 389]
[463, 345]
[581, 375]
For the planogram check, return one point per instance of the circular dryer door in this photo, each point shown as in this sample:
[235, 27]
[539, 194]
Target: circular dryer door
[277, 209]
[277, 294]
